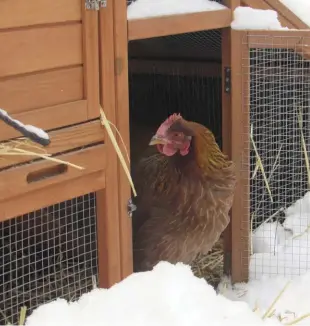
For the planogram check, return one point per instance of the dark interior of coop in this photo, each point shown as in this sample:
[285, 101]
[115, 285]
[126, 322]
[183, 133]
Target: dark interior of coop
[176, 74]
[52, 252]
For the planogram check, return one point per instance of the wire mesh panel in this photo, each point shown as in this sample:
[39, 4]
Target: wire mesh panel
[47, 254]
[204, 45]
[276, 92]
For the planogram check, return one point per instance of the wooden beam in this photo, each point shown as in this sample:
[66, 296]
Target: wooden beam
[178, 24]
[39, 175]
[239, 128]
[122, 121]
[62, 140]
[287, 13]
[51, 195]
[109, 260]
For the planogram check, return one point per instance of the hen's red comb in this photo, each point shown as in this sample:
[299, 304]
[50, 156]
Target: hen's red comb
[174, 117]
[168, 122]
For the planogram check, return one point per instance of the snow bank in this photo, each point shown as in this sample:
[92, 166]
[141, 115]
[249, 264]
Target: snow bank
[152, 8]
[283, 249]
[292, 304]
[301, 8]
[167, 296]
[255, 19]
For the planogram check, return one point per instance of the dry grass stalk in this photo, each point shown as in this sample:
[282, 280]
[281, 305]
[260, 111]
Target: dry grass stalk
[260, 164]
[270, 311]
[13, 148]
[106, 123]
[210, 266]
[297, 320]
[22, 315]
[304, 147]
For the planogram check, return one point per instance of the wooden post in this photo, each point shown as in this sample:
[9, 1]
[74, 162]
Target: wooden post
[122, 119]
[227, 125]
[240, 128]
[107, 199]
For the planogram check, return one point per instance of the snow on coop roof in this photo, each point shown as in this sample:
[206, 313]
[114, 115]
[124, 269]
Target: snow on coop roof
[255, 19]
[301, 8]
[167, 296]
[153, 8]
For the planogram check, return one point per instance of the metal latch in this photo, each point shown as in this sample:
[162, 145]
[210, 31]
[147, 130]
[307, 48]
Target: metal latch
[131, 207]
[227, 80]
[95, 4]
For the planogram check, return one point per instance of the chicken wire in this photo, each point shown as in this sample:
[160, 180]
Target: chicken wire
[278, 97]
[46, 254]
[204, 45]
[156, 94]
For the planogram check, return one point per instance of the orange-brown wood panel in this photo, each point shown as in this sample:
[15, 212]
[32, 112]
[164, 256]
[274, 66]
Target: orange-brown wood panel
[42, 89]
[51, 195]
[48, 118]
[19, 13]
[240, 128]
[91, 62]
[61, 140]
[122, 118]
[107, 200]
[178, 24]
[226, 125]
[38, 175]
[40, 48]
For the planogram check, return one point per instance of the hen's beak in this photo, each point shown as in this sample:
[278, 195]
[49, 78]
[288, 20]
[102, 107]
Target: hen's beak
[157, 140]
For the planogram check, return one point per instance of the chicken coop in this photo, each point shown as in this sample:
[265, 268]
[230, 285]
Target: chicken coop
[65, 213]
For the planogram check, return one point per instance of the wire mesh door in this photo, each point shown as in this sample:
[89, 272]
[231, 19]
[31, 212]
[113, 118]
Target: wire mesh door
[46, 254]
[275, 155]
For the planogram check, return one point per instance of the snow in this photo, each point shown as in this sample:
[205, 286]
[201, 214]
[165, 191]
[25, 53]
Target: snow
[260, 294]
[170, 295]
[153, 8]
[35, 130]
[301, 8]
[255, 19]
[283, 249]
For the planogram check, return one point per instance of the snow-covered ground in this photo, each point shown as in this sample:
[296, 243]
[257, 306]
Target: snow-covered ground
[283, 249]
[153, 8]
[168, 296]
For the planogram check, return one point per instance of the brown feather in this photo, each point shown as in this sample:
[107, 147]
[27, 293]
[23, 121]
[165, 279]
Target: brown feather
[183, 201]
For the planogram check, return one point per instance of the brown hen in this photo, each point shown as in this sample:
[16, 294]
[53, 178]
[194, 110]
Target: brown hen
[185, 187]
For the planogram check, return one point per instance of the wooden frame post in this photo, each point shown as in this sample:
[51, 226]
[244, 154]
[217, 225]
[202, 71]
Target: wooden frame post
[227, 111]
[122, 119]
[107, 199]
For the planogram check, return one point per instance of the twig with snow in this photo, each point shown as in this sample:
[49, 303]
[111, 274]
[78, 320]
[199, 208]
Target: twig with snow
[34, 133]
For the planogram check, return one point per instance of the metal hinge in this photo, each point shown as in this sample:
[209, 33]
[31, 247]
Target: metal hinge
[95, 4]
[227, 80]
[131, 207]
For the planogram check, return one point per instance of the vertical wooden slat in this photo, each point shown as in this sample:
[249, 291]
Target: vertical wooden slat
[240, 128]
[226, 126]
[122, 118]
[91, 61]
[107, 200]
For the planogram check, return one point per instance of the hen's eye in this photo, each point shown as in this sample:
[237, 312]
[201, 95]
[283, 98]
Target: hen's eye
[177, 134]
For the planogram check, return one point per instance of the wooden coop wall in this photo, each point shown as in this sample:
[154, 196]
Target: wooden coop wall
[57, 64]
[271, 72]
